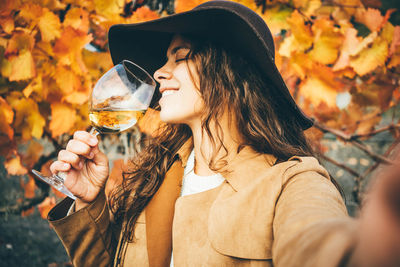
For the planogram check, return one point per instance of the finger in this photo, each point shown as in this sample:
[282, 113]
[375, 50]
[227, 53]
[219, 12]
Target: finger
[99, 158]
[59, 166]
[79, 148]
[71, 158]
[86, 138]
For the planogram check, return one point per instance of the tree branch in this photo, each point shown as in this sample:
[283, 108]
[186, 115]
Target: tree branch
[348, 138]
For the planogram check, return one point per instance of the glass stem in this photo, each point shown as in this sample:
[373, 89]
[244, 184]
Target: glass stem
[94, 131]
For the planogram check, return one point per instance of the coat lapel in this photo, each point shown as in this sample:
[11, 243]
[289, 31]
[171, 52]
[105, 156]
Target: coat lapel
[159, 213]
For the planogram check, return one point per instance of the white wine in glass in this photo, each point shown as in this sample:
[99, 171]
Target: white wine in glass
[118, 101]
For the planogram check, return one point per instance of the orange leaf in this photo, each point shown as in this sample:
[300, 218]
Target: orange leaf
[62, 119]
[78, 19]
[318, 91]
[371, 18]
[45, 207]
[67, 80]
[327, 41]
[29, 187]
[28, 119]
[32, 154]
[6, 118]
[301, 32]
[22, 66]
[71, 41]
[7, 24]
[370, 58]
[78, 98]
[49, 25]
[144, 13]
[20, 41]
[395, 41]
[14, 166]
[186, 5]
[30, 12]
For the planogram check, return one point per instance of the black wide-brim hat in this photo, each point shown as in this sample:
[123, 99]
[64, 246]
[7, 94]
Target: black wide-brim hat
[229, 24]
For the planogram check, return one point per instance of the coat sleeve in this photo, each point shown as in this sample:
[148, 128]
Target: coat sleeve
[311, 225]
[87, 235]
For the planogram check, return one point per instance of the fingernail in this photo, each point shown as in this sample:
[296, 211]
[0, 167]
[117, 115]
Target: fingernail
[80, 165]
[66, 165]
[91, 155]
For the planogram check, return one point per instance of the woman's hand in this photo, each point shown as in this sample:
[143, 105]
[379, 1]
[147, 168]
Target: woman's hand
[379, 236]
[85, 165]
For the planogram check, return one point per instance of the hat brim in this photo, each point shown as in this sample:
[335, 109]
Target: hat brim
[146, 44]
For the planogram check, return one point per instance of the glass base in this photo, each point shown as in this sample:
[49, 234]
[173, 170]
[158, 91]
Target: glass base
[55, 181]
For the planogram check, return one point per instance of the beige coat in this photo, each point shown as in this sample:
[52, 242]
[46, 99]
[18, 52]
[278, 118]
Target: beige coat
[287, 214]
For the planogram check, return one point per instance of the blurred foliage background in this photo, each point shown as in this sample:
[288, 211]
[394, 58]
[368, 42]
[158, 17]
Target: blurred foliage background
[340, 59]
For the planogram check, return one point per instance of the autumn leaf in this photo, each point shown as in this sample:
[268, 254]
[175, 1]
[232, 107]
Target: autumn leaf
[6, 118]
[45, 207]
[67, 80]
[77, 18]
[49, 25]
[28, 120]
[327, 41]
[22, 66]
[14, 166]
[186, 5]
[109, 8]
[301, 32]
[62, 119]
[32, 154]
[318, 91]
[370, 58]
[370, 17]
[7, 24]
[20, 41]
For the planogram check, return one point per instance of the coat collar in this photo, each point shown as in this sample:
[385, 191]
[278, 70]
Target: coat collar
[245, 165]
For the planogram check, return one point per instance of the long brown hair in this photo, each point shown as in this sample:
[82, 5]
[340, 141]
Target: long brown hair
[226, 80]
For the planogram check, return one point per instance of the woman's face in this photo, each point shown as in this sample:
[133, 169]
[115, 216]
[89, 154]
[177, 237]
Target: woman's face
[181, 101]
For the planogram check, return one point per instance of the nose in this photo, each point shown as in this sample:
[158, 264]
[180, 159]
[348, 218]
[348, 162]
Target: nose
[162, 74]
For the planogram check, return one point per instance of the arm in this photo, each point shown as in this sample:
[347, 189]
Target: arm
[87, 235]
[311, 225]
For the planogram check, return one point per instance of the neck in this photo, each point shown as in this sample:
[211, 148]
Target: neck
[204, 149]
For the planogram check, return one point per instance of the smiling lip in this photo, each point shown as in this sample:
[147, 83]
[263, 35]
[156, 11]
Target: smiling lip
[167, 88]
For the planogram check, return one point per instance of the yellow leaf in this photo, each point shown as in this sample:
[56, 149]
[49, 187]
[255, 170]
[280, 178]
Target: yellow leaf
[30, 12]
[395, 41]
[301, 32]
[37, 122]
[5, 68]
[67, 80]
[109, 8]
[186, 5]
[78, 19]
[62, 119]
[27, 119]
[49, 25]
[327, 41]
[14, 166]
[6, 118]
[370, 58]
[276, 18]
[318, 91]
[97, 62]
[22, 66]
[20, 41]
[35, 85]
[78, 98]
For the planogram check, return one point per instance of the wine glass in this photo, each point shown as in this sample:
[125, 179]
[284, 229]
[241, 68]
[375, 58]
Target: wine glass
[118, 100]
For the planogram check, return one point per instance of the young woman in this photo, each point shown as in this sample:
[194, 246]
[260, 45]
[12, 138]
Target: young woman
[228, 181]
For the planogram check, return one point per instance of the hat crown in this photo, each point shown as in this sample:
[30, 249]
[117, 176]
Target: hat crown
[252, 18]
